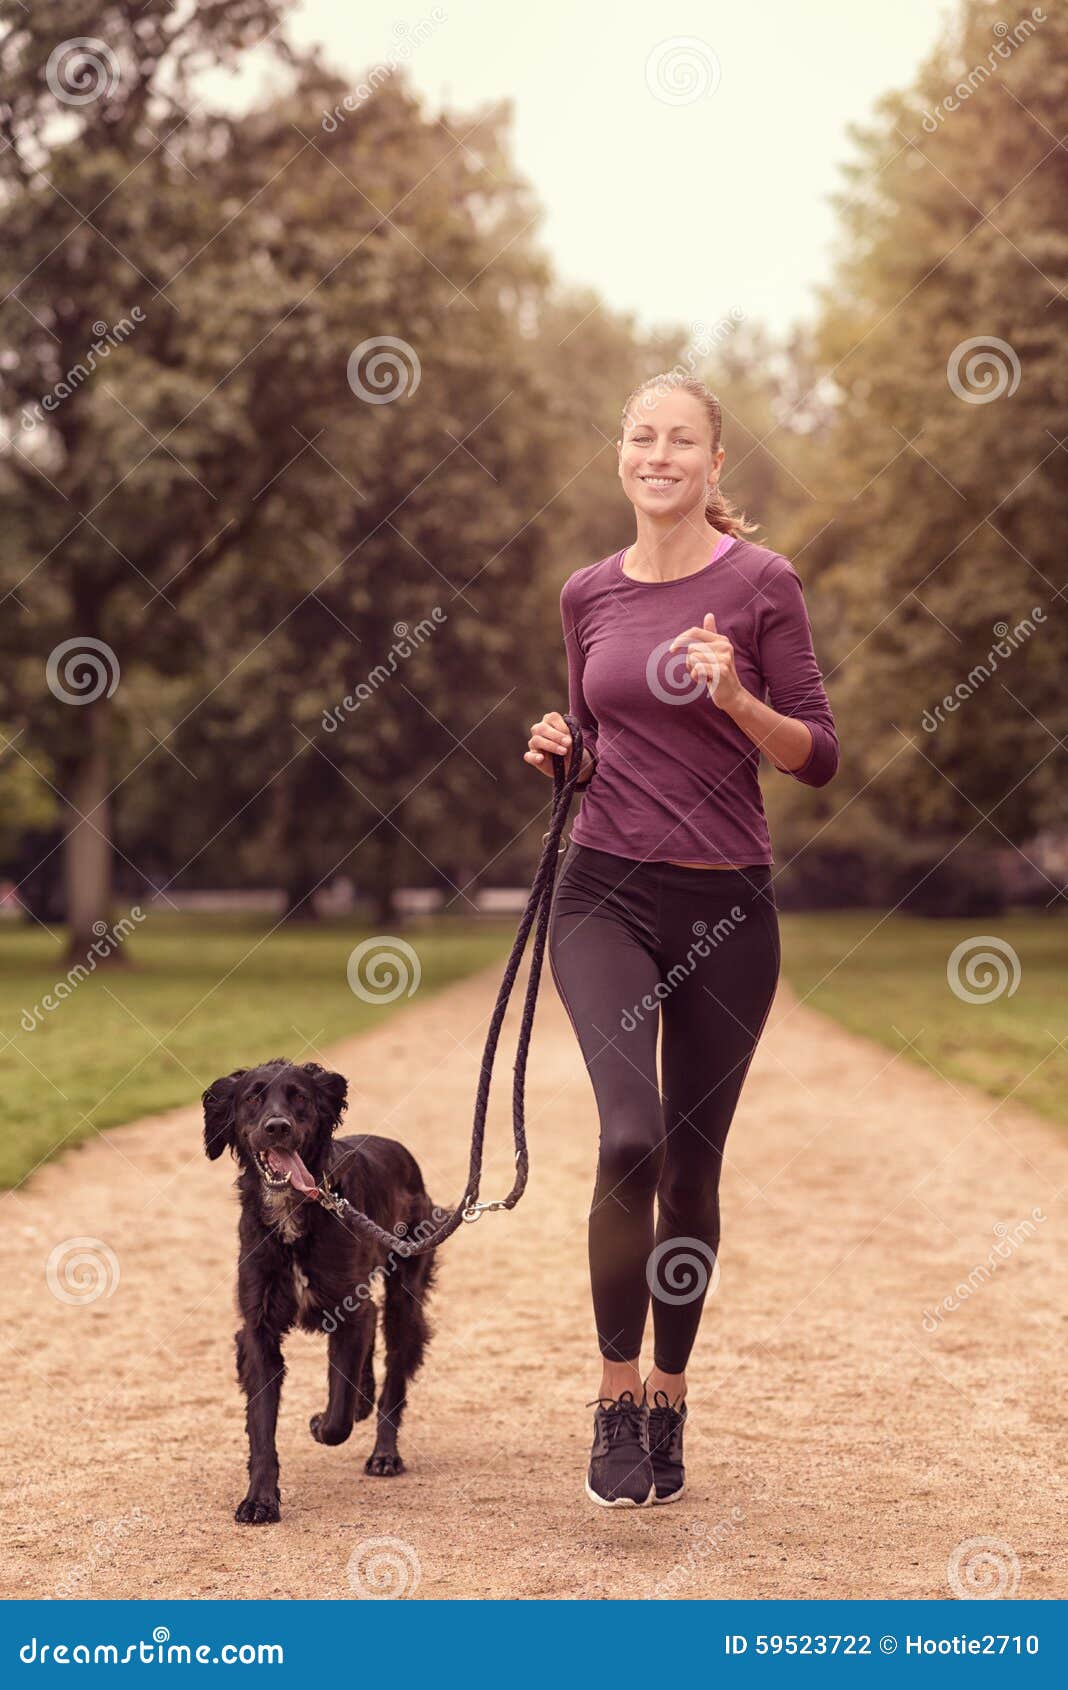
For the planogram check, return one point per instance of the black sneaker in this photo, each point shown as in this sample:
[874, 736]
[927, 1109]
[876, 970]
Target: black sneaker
[620, 1473]
[665, 1447]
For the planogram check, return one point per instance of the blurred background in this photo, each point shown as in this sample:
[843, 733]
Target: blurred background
[316, 325]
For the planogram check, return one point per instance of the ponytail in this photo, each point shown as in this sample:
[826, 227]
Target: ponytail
[721, 514]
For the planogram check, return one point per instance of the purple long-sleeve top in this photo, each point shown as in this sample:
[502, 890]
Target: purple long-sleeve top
[676, 779]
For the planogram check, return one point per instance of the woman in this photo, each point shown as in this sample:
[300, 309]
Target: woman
[664, 907]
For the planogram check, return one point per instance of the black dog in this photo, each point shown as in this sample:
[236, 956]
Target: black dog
[301, 1263]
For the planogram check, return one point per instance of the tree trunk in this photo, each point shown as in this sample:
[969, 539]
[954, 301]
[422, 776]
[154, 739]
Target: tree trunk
[87, 850]
[380, 884]
[300, 888]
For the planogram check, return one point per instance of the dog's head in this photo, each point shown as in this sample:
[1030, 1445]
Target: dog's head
[277, 1119]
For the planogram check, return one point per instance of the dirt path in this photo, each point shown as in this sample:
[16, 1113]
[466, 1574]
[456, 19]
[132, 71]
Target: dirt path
[836, 1447]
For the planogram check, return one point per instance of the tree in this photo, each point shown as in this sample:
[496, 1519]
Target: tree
[932, 445]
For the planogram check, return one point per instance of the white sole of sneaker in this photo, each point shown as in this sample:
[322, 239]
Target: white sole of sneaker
[674, 1497]
[619, 1501]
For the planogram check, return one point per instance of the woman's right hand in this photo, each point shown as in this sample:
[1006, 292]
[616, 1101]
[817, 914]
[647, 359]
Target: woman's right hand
[549, 735]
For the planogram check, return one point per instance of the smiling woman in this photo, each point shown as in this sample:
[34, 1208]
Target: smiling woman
[689, 653]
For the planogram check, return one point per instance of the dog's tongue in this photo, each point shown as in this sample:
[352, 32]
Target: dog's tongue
[288, 1162]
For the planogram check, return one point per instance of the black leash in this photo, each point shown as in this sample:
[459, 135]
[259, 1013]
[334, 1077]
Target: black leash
[539, 906]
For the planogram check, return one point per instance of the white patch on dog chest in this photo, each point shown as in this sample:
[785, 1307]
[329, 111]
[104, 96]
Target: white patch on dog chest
[301, 1288]
[282, 1214]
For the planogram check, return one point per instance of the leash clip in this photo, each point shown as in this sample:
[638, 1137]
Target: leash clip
[330, 1199]
[475, 1211]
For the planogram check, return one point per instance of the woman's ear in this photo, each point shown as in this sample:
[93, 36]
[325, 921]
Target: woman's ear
[332, 1091]
[218, 1103]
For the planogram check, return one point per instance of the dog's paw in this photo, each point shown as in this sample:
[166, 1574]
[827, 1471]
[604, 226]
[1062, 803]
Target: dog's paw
[383, 1466]
[257, 1511]
[326, 1434]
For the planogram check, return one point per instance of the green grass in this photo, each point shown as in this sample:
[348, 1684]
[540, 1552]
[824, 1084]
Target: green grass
[204, 995]
[891, 985]
[207, 994]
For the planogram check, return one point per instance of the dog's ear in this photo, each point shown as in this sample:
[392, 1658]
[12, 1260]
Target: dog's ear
[332, 1091]
[218, 1103]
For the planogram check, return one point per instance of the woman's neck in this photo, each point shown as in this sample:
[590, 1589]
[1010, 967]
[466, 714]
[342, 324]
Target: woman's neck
[667, 553]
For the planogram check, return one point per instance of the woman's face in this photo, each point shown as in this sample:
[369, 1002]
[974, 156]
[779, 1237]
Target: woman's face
[666, 461]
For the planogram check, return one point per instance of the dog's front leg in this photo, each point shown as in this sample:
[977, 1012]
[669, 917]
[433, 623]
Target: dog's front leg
[261, 1370]
[350, 1347]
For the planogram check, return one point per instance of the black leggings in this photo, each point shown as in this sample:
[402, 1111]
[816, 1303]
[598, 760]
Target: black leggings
[631, 943]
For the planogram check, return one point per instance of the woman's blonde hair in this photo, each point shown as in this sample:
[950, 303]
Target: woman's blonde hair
[719, 511]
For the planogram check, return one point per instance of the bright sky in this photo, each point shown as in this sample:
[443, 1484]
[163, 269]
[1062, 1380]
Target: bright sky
[681, 209]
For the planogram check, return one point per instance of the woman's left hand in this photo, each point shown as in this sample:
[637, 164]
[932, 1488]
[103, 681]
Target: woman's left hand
[710, 657]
